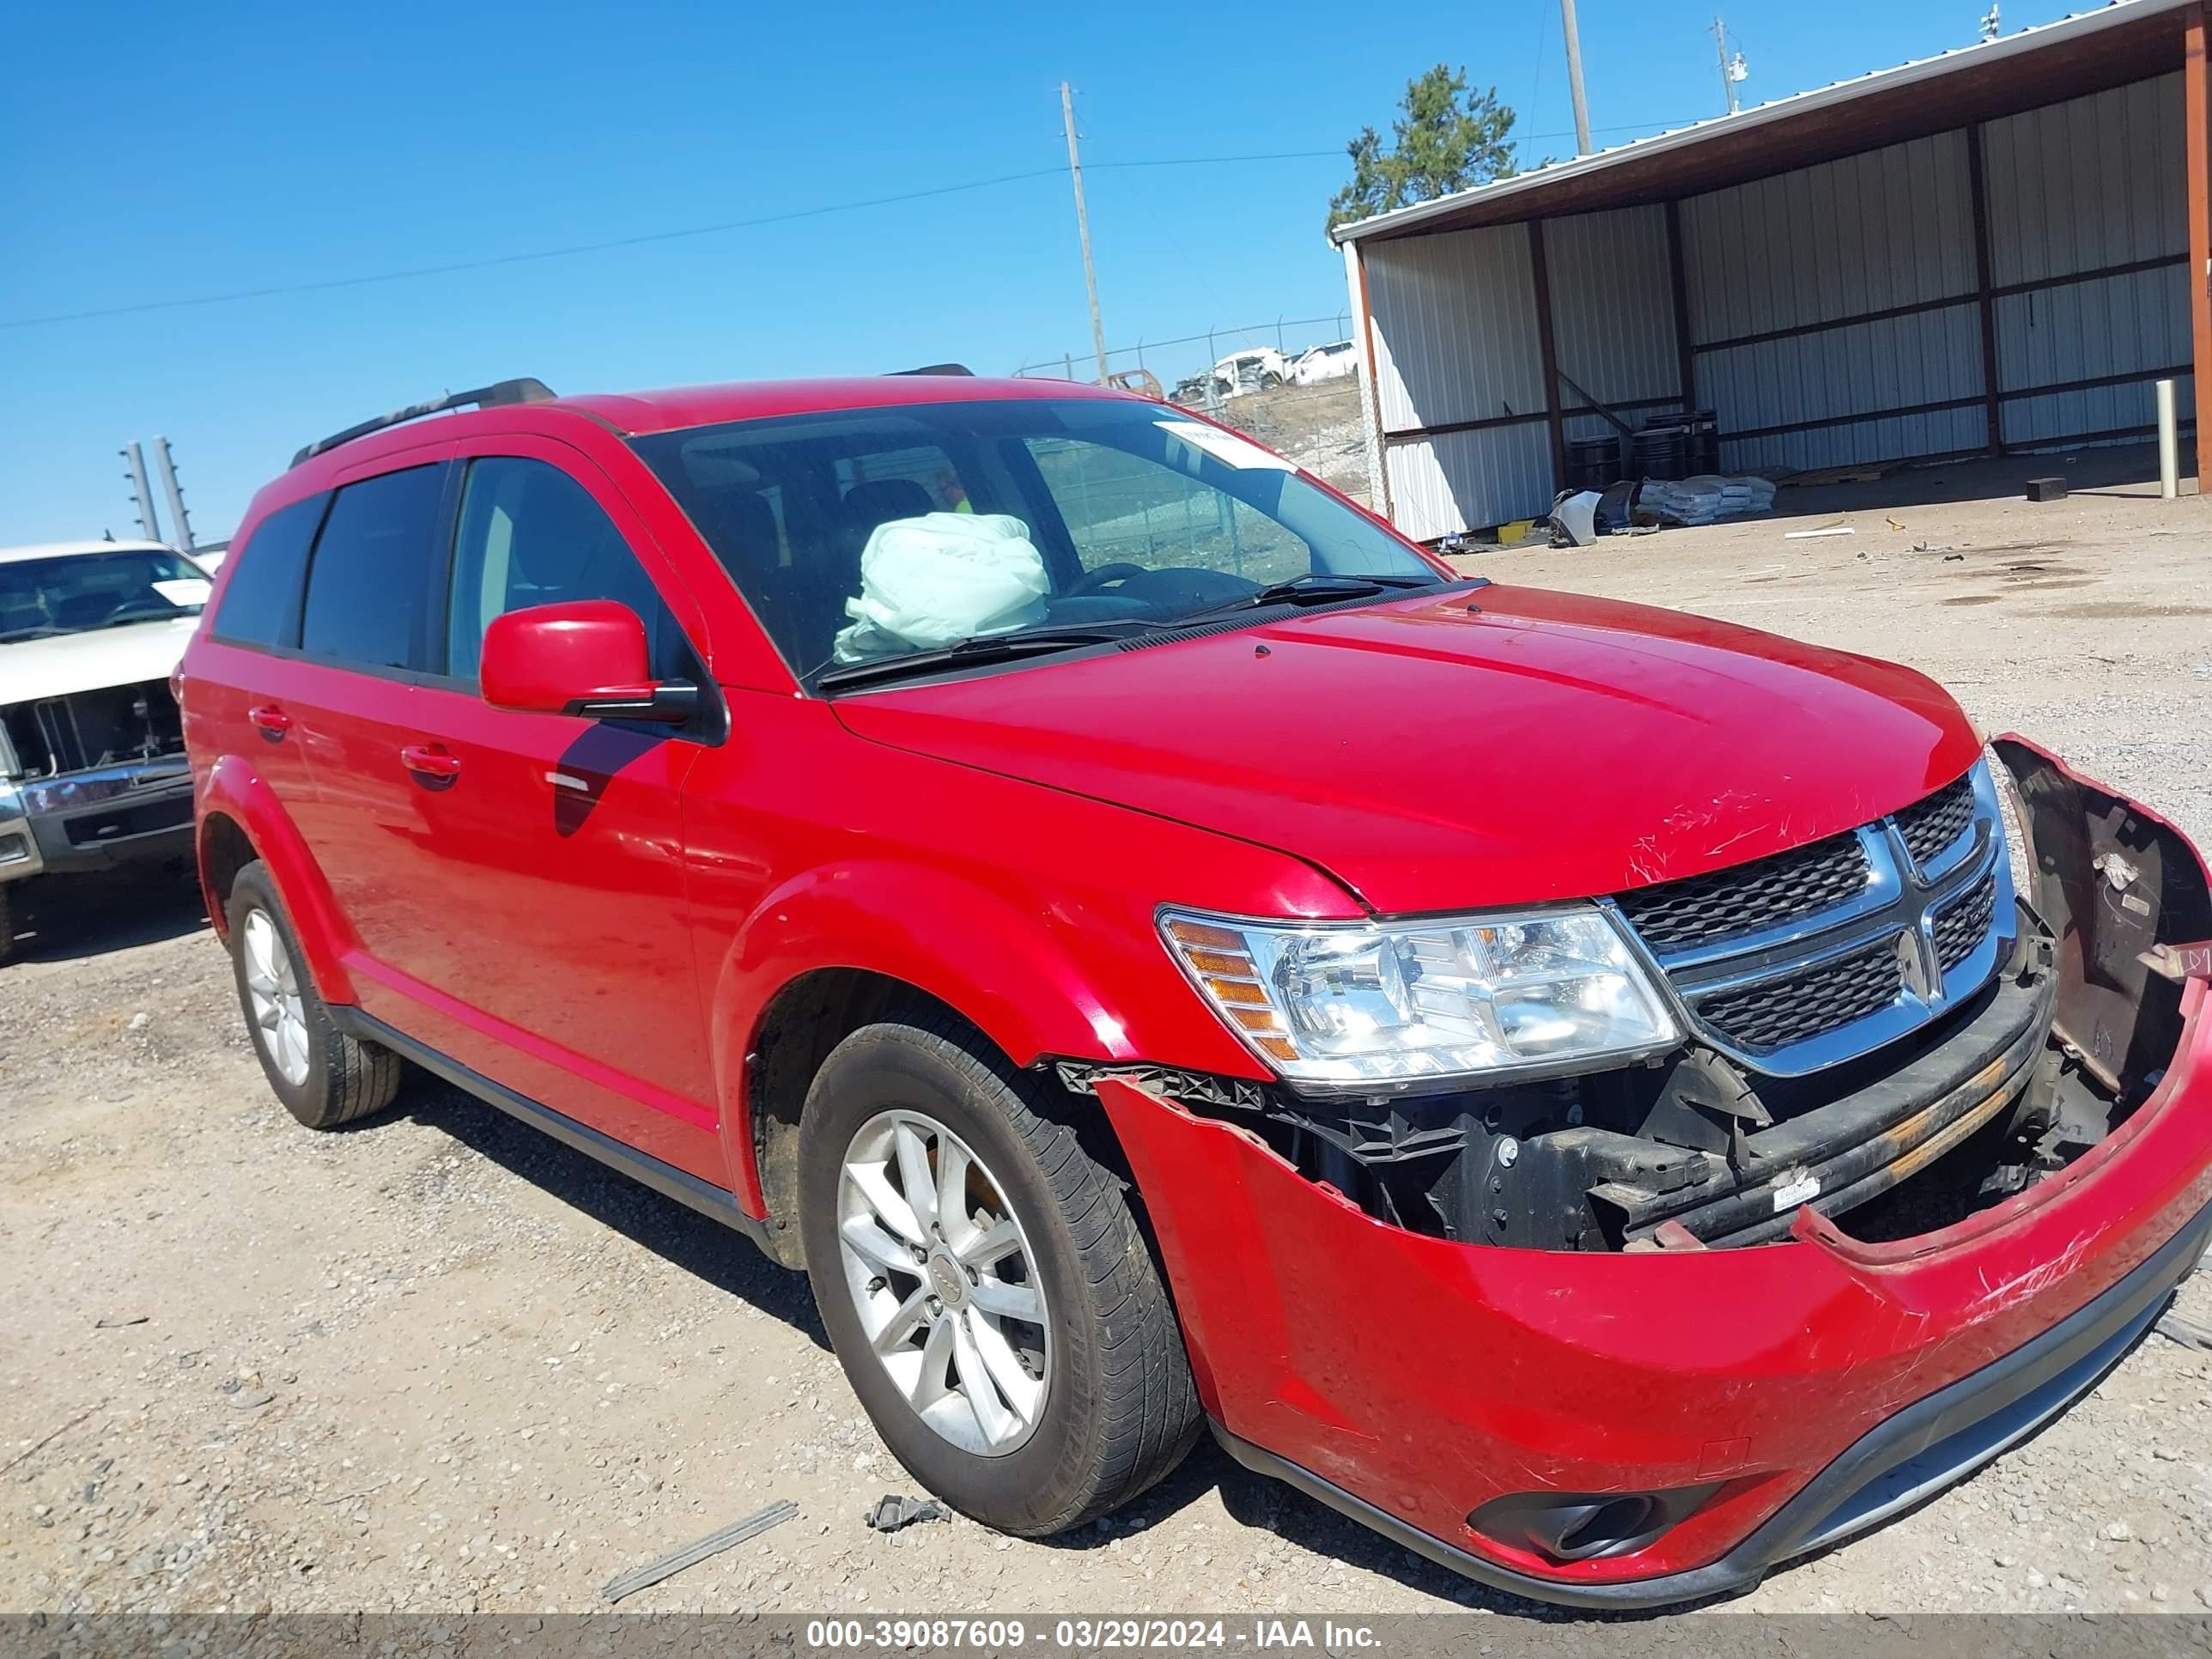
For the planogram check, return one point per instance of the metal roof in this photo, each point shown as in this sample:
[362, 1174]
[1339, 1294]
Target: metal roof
[2087, 51]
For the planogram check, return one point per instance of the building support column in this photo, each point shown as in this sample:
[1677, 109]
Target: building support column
[2195, 112]
[1371, 380]
[1978, 185]
[1686, 355]
[1539, 278]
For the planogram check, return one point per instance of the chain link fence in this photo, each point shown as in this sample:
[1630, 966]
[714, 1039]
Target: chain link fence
[1317, 426]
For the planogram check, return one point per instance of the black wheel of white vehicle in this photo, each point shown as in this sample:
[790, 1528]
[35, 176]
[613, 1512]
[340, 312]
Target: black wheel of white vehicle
[324, 1076]
[984, 1284]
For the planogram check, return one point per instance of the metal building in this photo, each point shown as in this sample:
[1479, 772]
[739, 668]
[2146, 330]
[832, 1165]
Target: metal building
[1979, 253]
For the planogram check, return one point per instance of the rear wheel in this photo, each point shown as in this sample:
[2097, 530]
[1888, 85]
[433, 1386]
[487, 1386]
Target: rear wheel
[984, 1284]
[324, 1076]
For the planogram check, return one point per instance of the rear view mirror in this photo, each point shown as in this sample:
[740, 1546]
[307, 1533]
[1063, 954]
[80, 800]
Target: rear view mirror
[586, 657]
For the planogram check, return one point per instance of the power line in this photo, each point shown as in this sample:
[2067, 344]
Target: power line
[490, 261]
[455, 267]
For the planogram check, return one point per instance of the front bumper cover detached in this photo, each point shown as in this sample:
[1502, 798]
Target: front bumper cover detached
[1759, 1401]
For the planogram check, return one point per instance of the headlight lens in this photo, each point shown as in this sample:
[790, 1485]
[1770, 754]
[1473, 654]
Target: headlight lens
[60, 795]
[1358, 1003]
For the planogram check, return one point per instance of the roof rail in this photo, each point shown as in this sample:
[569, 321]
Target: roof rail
[498, 395]
[940, 368]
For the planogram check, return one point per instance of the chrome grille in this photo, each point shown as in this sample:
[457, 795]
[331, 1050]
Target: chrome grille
[1960, 926]
[1804, 959]
[1765, 893]
[1779, 1011]
[1931, 825]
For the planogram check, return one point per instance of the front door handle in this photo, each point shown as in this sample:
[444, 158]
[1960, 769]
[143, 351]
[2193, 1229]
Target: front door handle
[432, 763]
[270, 720]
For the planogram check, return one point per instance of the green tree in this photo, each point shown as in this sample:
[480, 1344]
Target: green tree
[1444, 140]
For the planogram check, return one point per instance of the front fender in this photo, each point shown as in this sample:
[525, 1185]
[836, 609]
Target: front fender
[232, 789]
[1014, 972]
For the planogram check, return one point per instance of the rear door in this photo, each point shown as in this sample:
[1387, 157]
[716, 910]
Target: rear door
[542, 921]
[363, 650]
[243, 678]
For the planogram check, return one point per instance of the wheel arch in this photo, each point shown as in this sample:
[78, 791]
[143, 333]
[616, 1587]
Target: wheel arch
[806, 1019]
[242, 820]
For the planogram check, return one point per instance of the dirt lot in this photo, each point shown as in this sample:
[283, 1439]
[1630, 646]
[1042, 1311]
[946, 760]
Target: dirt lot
[438, 1362]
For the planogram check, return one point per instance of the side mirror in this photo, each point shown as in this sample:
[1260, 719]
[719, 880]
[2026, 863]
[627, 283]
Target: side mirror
[586, 657]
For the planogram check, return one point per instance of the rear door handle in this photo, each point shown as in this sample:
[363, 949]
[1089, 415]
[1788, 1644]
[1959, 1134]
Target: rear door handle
[432, 763]
[270, 720]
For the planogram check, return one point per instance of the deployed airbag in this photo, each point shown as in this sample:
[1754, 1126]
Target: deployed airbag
[938, 578]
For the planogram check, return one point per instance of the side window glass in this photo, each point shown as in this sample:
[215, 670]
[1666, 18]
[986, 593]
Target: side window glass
[530, 534]
[368, 583]
[258, 604]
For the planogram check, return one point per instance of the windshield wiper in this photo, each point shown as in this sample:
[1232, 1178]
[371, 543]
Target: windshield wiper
[982, 648]
[1316, 587]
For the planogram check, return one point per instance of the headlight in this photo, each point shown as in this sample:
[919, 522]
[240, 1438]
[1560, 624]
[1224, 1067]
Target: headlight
[1354, 1004]
[61, 795]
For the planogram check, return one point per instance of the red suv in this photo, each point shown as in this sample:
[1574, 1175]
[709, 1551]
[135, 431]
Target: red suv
[1575, 1086]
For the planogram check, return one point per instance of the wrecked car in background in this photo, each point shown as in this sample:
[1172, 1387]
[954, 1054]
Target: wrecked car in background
[93, 773]
[1612, 1100]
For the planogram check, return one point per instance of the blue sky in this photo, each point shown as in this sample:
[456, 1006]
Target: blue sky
[151, 154]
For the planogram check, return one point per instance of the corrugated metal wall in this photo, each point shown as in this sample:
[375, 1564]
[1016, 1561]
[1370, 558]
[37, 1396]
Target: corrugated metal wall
[1888, 229]
[1458, 328]
[1612, 310]
[1456, 340]
[1772, 270]
[2091, 183]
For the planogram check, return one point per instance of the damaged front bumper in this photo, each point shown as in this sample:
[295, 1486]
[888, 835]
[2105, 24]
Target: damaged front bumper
[1651, 1425]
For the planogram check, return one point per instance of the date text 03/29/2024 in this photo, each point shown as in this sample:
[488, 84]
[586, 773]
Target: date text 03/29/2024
[1086, 1634]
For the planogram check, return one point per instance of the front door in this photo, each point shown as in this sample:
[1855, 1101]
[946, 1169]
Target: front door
[549, 936]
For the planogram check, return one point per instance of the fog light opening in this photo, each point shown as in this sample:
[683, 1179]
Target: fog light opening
[1608, 1527]
[1564, 1526]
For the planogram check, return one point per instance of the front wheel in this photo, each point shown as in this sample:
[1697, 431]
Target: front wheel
[984, 1284]
[324, 1076]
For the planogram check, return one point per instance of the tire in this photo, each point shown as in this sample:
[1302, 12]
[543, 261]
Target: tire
[1117, 1409]
[8, 919]
[324, 1078]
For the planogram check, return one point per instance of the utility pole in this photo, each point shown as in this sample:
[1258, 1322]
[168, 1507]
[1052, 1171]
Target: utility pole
[167, 469]
[1728, 76]
[147, 522]
[1575, 75]
[1082, 227]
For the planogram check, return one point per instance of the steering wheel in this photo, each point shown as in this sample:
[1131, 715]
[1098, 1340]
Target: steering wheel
[1092, 581]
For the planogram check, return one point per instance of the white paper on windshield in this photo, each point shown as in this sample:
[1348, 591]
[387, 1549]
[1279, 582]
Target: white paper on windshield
[186, 590]
[1225, 446]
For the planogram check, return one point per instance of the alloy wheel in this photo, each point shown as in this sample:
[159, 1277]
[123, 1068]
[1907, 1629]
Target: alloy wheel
[272, 990]
[945, 1282]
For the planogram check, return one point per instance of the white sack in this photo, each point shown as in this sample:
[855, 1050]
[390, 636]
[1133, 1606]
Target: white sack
[938, 578]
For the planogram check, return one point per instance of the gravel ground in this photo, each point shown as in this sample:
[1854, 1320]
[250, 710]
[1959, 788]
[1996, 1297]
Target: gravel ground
[438, 1363]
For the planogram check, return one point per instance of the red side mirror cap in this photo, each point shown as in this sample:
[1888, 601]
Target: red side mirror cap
[558, 659]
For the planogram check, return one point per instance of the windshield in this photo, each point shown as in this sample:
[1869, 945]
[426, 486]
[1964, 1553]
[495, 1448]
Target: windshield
[77, 592]
[861, 536]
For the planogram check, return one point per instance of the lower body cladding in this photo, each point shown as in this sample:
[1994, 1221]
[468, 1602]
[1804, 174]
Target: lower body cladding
[1712, 1374]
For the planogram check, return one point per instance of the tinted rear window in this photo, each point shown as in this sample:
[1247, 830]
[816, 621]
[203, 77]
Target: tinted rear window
[257, 605]
[369, 585]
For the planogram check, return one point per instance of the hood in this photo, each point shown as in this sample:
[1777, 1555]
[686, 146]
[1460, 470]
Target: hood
[1505, 746]
[62, 663]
